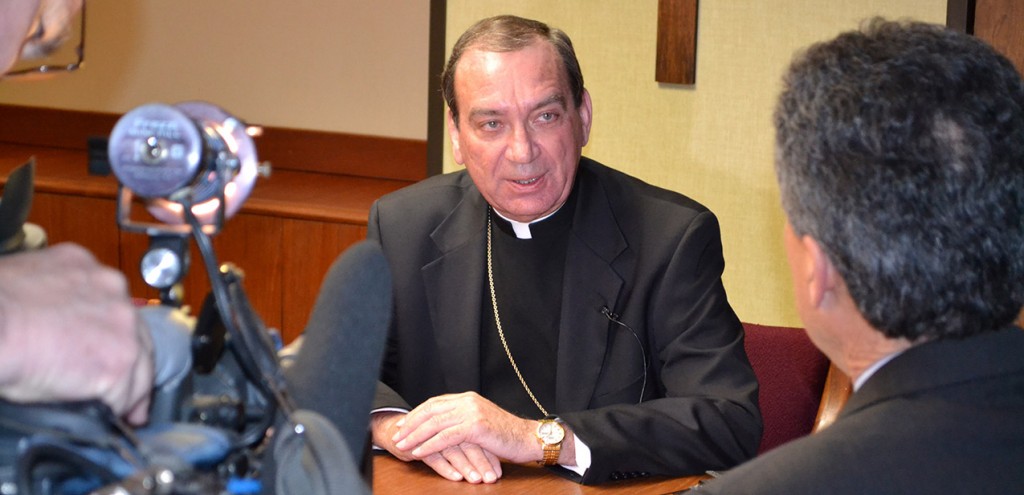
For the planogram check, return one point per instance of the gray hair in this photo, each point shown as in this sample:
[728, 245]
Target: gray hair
[900, 149]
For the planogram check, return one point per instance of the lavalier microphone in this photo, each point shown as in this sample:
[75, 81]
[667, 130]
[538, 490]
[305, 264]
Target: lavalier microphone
[614, 318]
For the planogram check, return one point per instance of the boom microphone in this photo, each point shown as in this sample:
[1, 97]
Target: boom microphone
[336, 369]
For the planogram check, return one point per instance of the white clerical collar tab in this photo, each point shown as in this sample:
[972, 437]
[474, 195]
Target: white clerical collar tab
[521, 229]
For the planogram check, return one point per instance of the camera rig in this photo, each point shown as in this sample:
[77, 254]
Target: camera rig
[220, 404]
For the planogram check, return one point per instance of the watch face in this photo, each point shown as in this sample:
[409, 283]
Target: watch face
[550, 432]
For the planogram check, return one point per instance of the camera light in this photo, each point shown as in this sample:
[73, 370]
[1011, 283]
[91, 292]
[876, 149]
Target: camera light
[190, 154]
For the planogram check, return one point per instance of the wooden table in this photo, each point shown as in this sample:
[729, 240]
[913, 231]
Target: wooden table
[394, 477]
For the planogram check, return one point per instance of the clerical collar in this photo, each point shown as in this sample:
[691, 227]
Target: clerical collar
[522, 229]
[553, 223]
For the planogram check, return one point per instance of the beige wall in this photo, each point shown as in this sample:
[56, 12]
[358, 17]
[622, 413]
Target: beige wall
[360, 67]
[712, 141]
[357, 66]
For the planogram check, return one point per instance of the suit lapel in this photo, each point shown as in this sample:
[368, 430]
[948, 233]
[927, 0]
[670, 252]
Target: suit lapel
[590, 284]
[458, 273]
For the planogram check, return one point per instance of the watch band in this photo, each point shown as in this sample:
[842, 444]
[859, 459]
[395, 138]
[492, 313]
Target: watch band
[551, 453]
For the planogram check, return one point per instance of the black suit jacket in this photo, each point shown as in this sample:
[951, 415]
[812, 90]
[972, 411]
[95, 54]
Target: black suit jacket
[650, 255]
[943, 417]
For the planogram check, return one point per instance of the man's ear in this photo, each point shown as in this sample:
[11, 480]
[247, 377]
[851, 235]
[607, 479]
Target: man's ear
[823, 277]
[586, 111]
[453, 134]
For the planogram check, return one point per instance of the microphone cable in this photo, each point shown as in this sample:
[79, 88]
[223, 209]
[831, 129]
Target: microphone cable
[614, 318]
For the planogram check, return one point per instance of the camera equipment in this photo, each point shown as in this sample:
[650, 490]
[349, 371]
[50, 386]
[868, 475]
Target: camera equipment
[192, 155]
[15, 233]
[220, 403]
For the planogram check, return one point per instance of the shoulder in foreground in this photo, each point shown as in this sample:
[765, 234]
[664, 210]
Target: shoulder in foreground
[813, 464]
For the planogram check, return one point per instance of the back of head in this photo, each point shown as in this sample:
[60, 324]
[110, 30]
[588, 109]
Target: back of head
[900, 149]
[507, 33]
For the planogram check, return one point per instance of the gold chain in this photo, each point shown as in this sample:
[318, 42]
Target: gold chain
[497, 320]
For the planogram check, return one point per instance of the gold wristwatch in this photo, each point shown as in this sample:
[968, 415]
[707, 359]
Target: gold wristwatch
[550, 433]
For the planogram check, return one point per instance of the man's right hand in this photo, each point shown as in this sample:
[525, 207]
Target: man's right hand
[68, 331]
[466, 461]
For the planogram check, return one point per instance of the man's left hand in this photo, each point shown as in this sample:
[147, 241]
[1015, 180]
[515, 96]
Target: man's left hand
[451, 420]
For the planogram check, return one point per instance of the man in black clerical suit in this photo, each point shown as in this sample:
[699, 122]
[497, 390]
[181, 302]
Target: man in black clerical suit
[901, 165]
[548, 308]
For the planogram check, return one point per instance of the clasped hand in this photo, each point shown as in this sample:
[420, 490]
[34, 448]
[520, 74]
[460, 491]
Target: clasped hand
[460, 436]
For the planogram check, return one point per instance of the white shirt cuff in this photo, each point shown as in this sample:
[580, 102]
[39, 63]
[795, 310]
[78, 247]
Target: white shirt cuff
[583, 457]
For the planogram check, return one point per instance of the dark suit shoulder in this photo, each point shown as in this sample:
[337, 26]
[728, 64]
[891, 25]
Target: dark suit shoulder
[666, 215]
[425, 203]
[622, 186]
[961, 437]
[449, 186]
